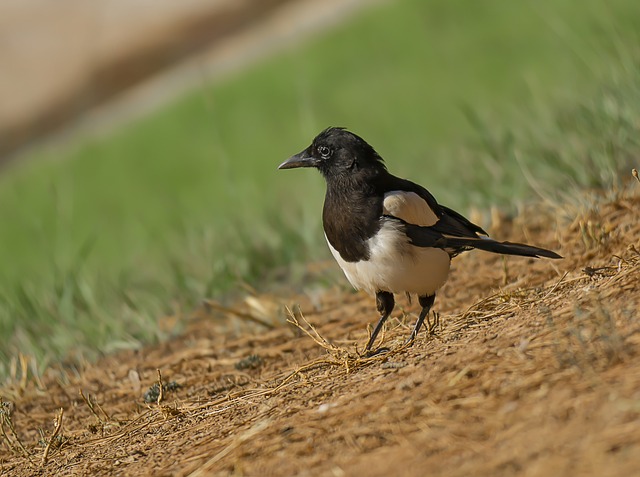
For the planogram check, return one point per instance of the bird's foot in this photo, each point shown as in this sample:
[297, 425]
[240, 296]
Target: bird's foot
[410, 341]
[370, 353]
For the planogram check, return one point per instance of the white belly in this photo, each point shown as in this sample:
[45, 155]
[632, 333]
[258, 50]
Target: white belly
[396, 266]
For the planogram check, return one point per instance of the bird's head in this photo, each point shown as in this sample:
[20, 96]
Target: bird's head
[337, 152]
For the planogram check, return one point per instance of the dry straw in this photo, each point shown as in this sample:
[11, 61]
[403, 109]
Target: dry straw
[560, 338]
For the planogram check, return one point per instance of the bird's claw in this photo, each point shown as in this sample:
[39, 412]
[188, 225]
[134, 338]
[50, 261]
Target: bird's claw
[370, 353]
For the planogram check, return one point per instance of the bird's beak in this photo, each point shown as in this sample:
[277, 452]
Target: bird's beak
[302, 159]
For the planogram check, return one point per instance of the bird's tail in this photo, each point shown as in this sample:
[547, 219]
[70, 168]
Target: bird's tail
[506, 248]
[431, 237]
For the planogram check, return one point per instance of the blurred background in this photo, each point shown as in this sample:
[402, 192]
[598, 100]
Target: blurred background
[139, 140]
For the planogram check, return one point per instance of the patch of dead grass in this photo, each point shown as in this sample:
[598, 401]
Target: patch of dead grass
[531, 370]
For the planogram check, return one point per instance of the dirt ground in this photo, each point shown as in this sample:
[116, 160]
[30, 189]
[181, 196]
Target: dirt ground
[532, 370]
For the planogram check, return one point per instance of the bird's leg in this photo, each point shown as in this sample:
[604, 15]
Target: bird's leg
[426, 302]
[384, 304]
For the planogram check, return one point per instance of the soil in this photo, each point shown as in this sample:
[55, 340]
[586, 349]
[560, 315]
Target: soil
[531, 369]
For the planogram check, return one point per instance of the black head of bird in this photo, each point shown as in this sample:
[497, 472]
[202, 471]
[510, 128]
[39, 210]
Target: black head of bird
[337, 152]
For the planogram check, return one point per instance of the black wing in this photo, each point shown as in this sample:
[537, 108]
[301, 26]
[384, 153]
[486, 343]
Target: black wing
[450, 222]
[453, 232]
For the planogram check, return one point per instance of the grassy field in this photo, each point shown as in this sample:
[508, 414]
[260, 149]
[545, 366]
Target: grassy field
[480, 102]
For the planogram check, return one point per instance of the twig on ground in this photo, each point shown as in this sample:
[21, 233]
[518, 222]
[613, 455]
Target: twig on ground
[207, 466]
[167, 411]
[313, 334]
[5, 418]
[91, 405]
[160, 388]
[238, 314]
[54, 435]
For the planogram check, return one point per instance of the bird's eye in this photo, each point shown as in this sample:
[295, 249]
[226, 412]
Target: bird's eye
[324, 151]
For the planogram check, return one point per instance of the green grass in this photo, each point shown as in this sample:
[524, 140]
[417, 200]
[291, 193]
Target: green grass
[472, 99]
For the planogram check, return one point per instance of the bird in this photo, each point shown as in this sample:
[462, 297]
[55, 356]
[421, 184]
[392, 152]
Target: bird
[390, 235]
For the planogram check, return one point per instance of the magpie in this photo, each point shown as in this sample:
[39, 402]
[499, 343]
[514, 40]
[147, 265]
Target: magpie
[390, 235]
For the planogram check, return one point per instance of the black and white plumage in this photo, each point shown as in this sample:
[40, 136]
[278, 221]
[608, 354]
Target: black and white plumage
[389, 235]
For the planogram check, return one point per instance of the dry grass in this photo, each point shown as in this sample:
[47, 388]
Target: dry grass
[532, 369]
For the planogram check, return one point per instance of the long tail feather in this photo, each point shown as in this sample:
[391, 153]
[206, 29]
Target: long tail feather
[428, 237]
[506, 248]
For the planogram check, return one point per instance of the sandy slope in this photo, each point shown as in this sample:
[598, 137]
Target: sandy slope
[533, 370]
